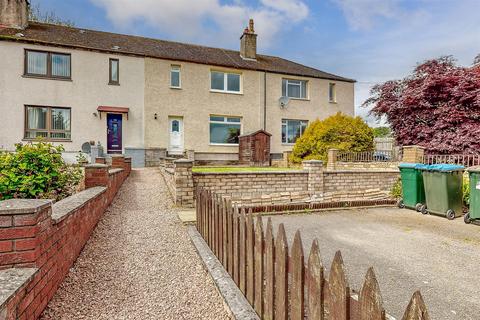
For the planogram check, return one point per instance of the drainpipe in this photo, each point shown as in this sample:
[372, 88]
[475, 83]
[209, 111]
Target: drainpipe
[265, 101]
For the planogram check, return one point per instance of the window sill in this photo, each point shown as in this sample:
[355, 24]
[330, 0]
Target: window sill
[287, 144]
[176, 88]
[46, 78]
[299, 99]
[224, 144]
[114, 83]
[226, 92]
[45, 140]
[332, 102]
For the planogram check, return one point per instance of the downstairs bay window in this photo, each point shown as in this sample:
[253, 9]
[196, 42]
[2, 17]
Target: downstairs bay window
[292, 130]
[224, 130]
[49, 123]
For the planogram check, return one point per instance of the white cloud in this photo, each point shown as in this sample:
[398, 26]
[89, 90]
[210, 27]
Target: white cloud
[364, 14]
[207, 21]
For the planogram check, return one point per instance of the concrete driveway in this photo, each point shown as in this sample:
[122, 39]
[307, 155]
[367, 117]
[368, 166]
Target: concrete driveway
[408, 251]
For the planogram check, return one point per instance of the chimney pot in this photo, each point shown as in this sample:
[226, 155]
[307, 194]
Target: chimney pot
[14, 13]
[248, 42]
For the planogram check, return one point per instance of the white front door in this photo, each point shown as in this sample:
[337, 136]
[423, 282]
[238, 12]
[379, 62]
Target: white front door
[176, 135]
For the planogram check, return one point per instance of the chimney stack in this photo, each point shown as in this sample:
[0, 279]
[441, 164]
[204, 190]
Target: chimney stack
[14, 14]
[248, 42]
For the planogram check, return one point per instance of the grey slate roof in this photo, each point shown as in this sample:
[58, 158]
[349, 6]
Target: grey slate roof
[62, 36]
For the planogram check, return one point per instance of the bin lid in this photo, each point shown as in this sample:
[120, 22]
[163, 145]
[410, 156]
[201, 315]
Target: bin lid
[443, 167]
[411, 165]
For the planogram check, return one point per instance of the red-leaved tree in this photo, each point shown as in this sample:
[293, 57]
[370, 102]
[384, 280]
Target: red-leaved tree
[437, 107]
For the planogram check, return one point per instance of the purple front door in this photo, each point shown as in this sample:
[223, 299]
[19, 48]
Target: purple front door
[114, 133]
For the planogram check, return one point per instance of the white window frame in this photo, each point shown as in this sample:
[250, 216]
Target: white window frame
[178, 69]
[332, 99]
[225, 82]
[223, 122]
[295, 84]
[285, 123]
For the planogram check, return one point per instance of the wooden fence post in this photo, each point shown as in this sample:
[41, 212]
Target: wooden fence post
[243, 262]
[259, 275]
[315, 283]
[269, 299]
[236, 247]
[370, 299]
[281, 275]
[339, 290]
[298, 279]
[250, 259]
[416, 309]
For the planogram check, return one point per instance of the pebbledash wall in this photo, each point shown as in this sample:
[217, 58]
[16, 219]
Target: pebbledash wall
[312, 178]
[40, 241]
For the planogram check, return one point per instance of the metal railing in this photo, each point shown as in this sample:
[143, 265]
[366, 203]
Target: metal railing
[368, 156]
[467, 160]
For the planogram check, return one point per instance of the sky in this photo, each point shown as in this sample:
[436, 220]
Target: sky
[371, 41]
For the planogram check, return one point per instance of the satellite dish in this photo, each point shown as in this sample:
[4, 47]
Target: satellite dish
[284, 102]
[86, 147]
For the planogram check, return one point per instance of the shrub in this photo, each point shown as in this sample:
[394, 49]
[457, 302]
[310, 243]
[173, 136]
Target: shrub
[336, 132]
[396, 191]
[37, 170]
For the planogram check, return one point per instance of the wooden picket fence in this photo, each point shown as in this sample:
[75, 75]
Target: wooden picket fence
[276, 281]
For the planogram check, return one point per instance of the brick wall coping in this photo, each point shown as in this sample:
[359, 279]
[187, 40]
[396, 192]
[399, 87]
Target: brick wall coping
[13, 280]
[114, 171]
[23, 206]
[62, 208]
[116, 155]
[96, 165]
[169, 170]
[250, 173]
[363, 171]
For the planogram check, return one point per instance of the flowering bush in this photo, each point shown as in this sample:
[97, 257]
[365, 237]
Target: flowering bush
[37, 170]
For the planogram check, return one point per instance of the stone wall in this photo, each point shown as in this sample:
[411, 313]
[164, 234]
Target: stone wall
[40, 241]
[354, 181]
[313, 181]
[252, 182]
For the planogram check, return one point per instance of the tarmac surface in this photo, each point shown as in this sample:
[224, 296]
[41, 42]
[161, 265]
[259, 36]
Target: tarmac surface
[408, 250]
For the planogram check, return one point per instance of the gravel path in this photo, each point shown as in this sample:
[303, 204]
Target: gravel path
[138, 264]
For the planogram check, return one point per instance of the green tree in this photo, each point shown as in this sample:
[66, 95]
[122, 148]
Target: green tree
[36, 14]
[336, 132]
[382, 132]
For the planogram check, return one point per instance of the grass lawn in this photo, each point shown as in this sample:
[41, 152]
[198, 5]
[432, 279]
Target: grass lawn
[239, 169]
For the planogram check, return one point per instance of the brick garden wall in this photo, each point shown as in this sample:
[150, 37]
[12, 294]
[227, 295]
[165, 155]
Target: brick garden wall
[313, 179]
[354, 181]
[252, 182]
[44, 240]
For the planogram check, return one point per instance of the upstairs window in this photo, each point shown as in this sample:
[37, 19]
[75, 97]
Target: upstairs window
[292, 130]
[50, 123]
[114, 67]
[225, 82]
[175, 79]
[332, 92]
[47, 64]
[224, 130]
[296, 89]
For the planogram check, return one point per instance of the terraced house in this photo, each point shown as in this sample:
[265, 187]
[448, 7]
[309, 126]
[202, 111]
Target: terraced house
[141, 96]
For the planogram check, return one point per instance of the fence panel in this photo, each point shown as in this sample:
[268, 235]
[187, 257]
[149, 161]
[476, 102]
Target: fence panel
[278, 285]
[368, 156]
[467, 160]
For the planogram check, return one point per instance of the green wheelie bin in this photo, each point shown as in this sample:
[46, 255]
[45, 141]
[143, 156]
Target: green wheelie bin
[473, 213]
[413, 191]
[443, 190]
